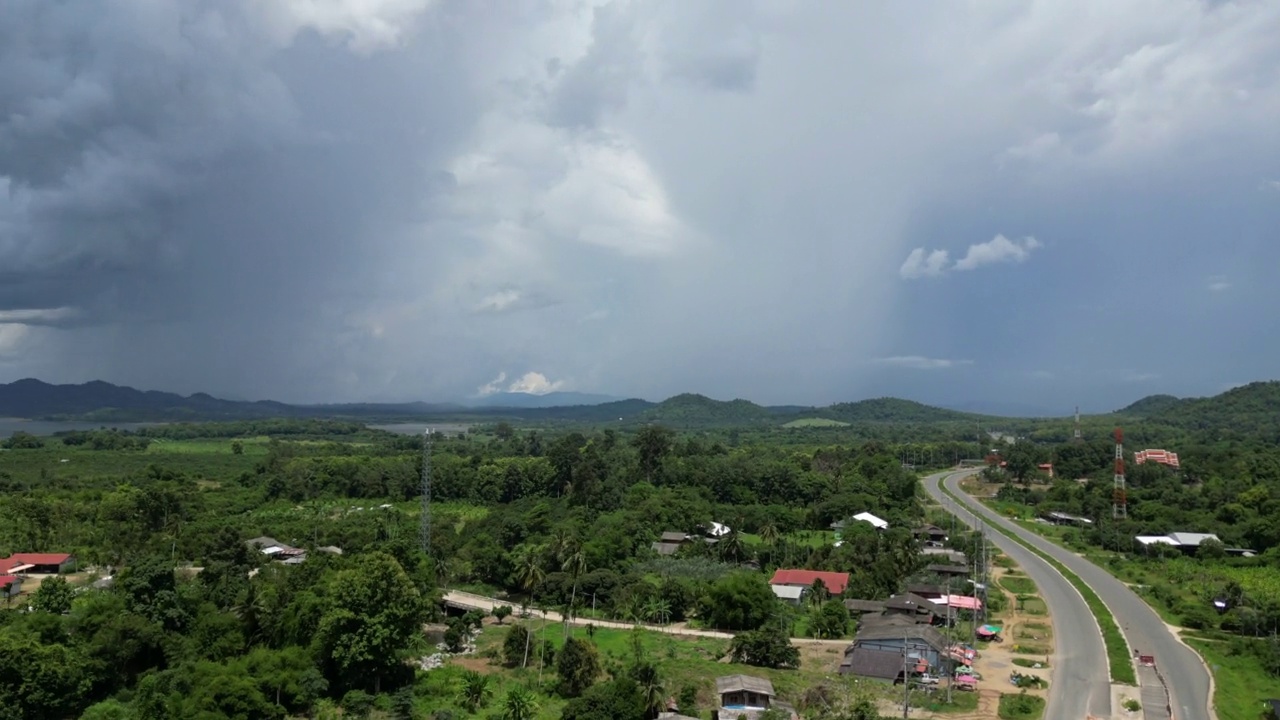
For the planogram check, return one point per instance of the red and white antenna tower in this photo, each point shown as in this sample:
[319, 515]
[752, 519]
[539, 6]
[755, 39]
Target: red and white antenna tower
[1119, 500]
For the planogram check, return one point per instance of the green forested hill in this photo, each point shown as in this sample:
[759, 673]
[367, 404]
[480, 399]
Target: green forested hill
[690, 409]
[889, 409]
[1150, 405]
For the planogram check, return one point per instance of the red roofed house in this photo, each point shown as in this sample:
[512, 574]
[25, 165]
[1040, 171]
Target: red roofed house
[834, 581]
[38, 563]
[14, 588]
[1163, 457]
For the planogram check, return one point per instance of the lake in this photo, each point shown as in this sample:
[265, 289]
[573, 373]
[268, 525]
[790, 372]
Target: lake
[9, 426]
[419, 427]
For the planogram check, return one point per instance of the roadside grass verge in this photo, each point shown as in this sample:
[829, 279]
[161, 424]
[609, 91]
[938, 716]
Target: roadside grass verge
[1119, 657]
[1020, 706]
[1018, 585]
[961, 702]
[1029, 663]
[1240, 683]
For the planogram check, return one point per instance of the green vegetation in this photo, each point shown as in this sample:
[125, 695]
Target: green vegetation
[561, 521]
[1240, 681]
[1020, 706]
[1030, 662]
[1132, 705]
[1018, 585]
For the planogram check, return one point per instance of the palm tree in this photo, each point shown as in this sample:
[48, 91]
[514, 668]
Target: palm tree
[651, 689]
[530, 574]
[520, 705]
[575, 563]
[475, 690]
[769, 533]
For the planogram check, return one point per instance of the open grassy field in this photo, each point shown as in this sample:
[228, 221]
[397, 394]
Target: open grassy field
[1020, 706]
[815, 422]
[681, 661]
[806, 538]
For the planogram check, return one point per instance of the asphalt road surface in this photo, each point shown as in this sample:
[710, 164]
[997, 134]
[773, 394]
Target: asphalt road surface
[1078, 681]
[1186, 674]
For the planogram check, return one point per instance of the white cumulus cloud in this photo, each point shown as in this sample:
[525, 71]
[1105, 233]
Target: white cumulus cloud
[533, 383]
[922, 263]
[999, 249]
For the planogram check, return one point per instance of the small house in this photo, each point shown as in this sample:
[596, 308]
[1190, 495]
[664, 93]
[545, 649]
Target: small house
[864, 662]
[948, 570]
[923, 644]
[863, 607]
[920, 609]
[670, 542]
[747, 695]
[790, 594]
[13, 583]
[930, 533]
[1061, 518]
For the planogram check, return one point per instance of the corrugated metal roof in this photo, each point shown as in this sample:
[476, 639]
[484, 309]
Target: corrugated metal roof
[749, 683]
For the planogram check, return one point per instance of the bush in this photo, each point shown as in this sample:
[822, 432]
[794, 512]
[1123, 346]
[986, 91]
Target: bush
[513, 647]
[1132, 705]
[1020, 707]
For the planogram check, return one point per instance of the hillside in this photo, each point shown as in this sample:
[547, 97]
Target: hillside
[1248, 409]
[690, 409]
[96, 400]
[1150, 405]
[892, 410]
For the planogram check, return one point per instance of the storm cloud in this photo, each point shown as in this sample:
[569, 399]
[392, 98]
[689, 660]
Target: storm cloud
[397, 199]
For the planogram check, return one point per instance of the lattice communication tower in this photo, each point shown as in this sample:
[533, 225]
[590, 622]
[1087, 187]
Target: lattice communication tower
[1078, 436]
[1119, 499]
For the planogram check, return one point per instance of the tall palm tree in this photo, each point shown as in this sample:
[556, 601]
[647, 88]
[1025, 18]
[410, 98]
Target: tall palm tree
[520, 705]
[529, 574]
[575, 563]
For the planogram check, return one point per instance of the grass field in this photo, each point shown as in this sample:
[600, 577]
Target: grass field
[815, 422]
[806, 538]
[1240, 685]
[1033, 605]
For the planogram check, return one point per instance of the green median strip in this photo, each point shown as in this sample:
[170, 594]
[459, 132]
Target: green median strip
[1120, 659]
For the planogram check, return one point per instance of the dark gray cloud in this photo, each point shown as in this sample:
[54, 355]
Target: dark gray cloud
[402, 198]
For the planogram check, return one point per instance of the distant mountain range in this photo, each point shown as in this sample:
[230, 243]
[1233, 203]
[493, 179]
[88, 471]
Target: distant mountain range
[1257, 404]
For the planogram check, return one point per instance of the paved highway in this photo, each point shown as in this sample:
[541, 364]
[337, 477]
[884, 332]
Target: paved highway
[1079, 684]
[1188, 678]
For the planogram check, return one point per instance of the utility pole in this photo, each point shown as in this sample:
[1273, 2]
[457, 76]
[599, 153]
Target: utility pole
[906, 676]
[951, 661]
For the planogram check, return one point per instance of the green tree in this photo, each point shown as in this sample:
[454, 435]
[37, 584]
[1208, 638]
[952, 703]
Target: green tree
[768, 647]
[618, 699]
[577, 666]
[516, 645]
[830, 620]
[237, 447]
[653, 442]
[740, 601]
[374, 615]
[502, 612]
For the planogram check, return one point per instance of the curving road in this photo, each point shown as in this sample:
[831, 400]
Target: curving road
[1079, 684]
[1187, 677]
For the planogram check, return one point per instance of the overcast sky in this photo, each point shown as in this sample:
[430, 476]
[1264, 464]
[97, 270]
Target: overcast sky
[1045, 203]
